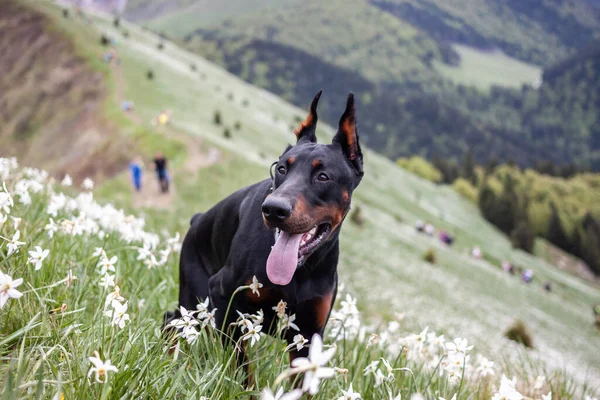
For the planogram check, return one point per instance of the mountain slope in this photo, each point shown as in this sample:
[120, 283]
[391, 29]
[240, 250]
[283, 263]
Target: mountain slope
[380, 260]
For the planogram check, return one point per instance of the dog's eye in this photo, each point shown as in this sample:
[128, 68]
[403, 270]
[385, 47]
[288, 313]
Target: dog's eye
[281, 170]
[323, 177]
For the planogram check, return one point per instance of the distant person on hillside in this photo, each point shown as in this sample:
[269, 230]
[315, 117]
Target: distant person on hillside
[446, 238]
[548, 286]
[429, 229]
[160, 166]
[508, 267]
[135, 167]
[476, 253]
[527, 276]
[419, 226]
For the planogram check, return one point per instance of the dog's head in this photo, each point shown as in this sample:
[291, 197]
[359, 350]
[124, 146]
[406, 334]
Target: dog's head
[312, 190]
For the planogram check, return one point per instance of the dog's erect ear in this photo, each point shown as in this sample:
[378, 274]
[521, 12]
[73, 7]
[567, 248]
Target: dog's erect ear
[308, 128]
[347, 136]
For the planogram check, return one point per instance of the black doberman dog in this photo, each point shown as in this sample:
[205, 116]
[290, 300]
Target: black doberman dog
[282, 230]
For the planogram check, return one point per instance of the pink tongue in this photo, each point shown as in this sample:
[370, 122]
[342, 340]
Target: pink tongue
[283, 259]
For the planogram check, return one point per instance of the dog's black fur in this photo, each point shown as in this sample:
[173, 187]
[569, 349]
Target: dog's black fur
[230, 243]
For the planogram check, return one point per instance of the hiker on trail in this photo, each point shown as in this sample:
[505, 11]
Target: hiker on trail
[429, 229]
[527, 276]
[160, 166]
[446, 238]
[419, 226]
[135, 167]
[476, 253]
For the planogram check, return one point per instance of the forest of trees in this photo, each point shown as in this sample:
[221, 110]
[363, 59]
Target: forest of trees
[558, 122]
[563, 208]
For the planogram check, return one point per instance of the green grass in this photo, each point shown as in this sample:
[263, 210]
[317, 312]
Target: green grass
[381, 265]
[483, 69]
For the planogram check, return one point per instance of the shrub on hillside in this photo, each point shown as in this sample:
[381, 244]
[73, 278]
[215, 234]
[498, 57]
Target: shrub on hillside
[522, 237]
[193, 67]
[421, 167]
[518, 332]
[237, 126]
[230, 96]
[104, 40]
[160, 45]
[65, 13]
[227, 133]
[429, 256]
[217, 118]
[245, 103]
[357, 217]
[466, 189]
[150, 75]
[117, 22]
[125, 33]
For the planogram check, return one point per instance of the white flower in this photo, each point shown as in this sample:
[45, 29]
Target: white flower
[486, 367]
[299, 342]
[280, 308]
[547, 396]
[453, 397]
[398, 397]
[24, 198]
[288, 322]
[37, 256]
[16, 222]
[379, 377]
[314, 365]
[458, 346]
[7, 288]
[14, 244]
[51, 227]
[98, 252]
[107, 264]
[244, 322]
[101, 368]
[87, 184]
[186, 321]
[267, 394]
[349, 394]
[114, 295]
[417, 396]
[174, 243]
[507, 390]
[67, 181]
[389, 369]
[118, 313]
[202, 308]
[371, 368]
[6, 201]
[255, 285]
[107, 281]
[539, 382]
[253, 334]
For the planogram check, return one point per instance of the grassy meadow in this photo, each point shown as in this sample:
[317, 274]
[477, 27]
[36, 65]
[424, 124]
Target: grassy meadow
[397, 294]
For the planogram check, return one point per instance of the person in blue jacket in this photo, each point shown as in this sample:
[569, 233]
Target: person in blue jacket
[136, 168]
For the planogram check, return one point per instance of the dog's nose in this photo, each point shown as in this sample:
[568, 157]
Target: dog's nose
[276, 209]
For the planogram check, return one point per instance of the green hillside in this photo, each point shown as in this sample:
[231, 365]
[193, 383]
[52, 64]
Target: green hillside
[381, 260]
[436, 77]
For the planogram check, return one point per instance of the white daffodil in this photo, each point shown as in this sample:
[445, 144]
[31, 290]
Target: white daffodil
[243, 322]
[486, 367]
[507, 390]
[87, 184]
[259, 317]
[299, 342]
[51, 227]
[280, 308]
[349, 394]
[398, 397]
[547, 396]
[453, 397]
[107, 281]
[114, 295]
[98, 252]
[267, 394]
[253, 334]
[118, 313]
[288, 322]
[100, 368]
[37, 256]
[7, 288]
[186, 321]
[202, 308]
[16, 222]
[371, 368]
[459, 345]
[313, 366]
[255, 285]
[6, 201]
[107, 264]
[13, 244]
[417, 396]
[67, 181]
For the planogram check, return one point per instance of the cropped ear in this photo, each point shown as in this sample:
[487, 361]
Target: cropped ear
[307, 128]
[347, 136]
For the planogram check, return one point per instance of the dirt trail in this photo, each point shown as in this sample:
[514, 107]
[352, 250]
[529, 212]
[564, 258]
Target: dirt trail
[197, 158]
